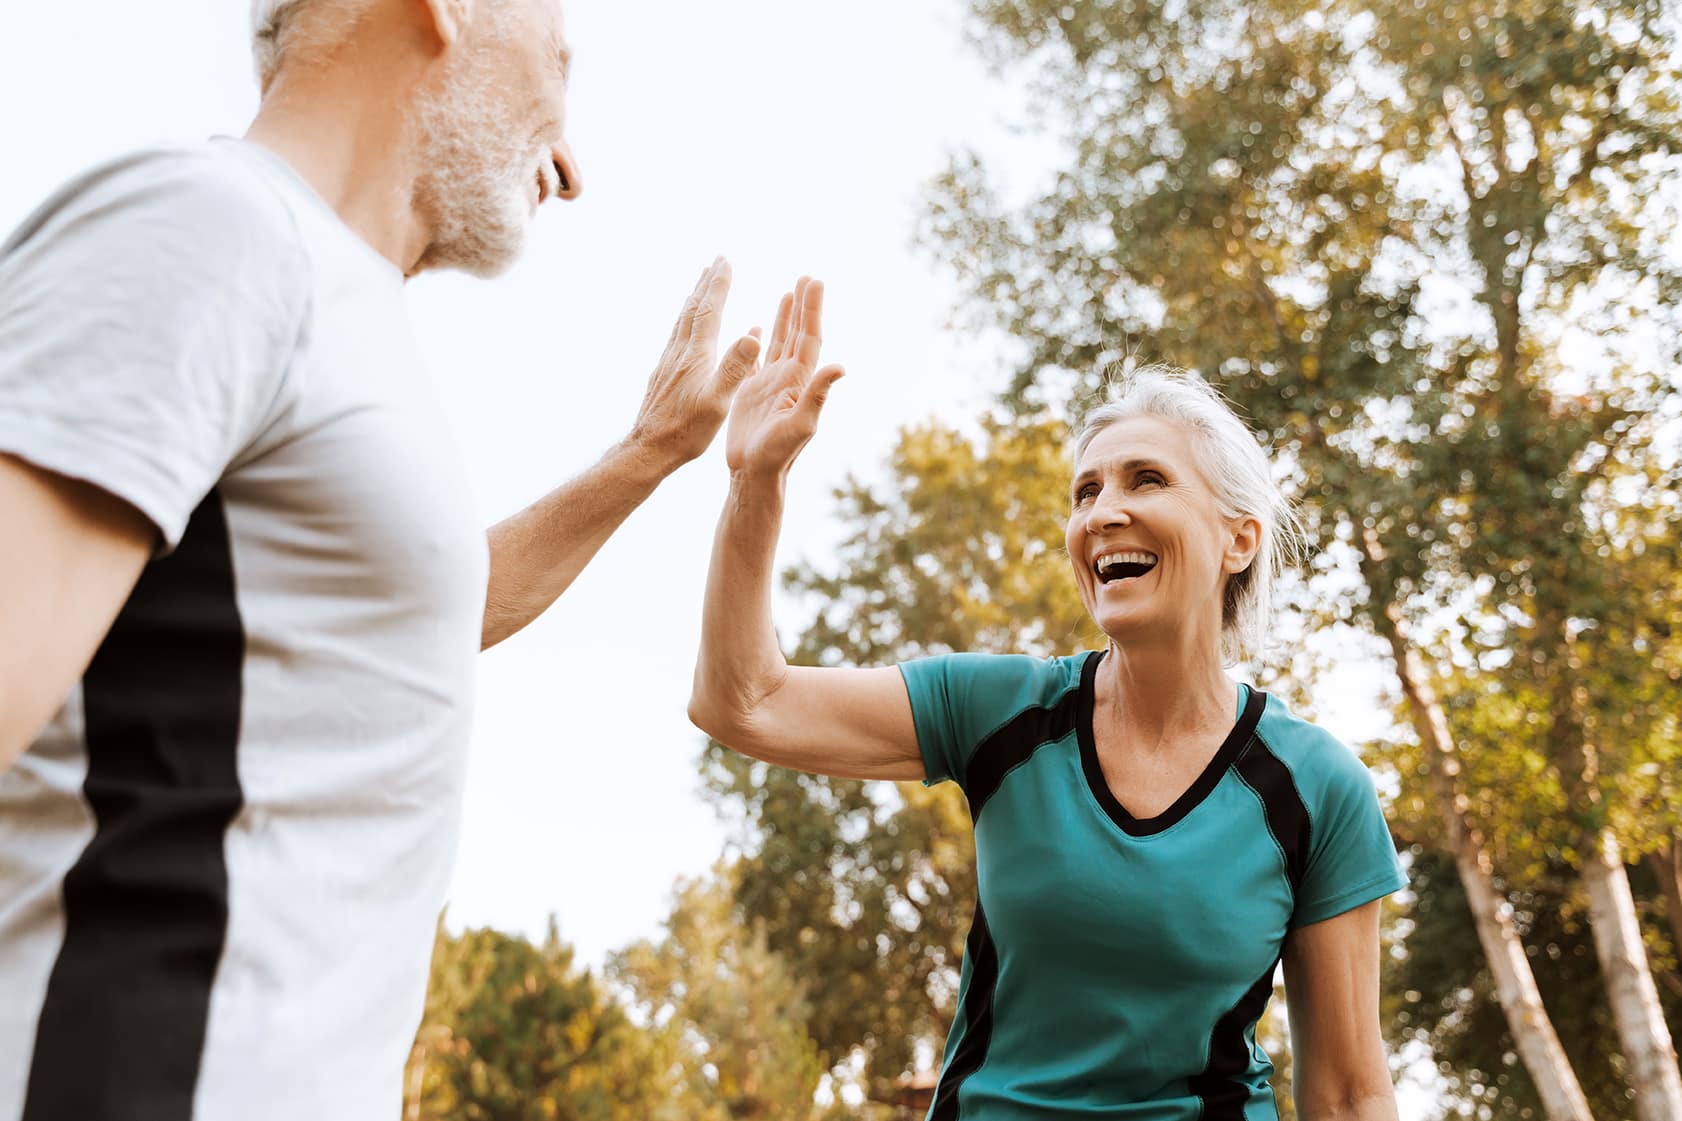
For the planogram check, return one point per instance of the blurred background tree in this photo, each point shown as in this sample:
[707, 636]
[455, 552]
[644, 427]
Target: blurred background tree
[737, 1011]
[1424, 247]
[514, 1032]
[1429, 250]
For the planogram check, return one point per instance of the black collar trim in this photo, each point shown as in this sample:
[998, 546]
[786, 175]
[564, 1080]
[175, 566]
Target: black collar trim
[1254, 704]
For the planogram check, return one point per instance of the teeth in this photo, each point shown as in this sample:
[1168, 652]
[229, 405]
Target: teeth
[1137, 557]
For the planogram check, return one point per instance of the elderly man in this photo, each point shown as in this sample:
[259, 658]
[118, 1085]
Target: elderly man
[241, 583]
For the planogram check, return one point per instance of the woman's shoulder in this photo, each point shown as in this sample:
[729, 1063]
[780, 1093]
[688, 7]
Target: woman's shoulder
[1056, 672]
[1318, 761]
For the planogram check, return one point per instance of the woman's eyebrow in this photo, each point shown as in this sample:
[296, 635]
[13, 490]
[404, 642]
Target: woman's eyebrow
[1135, 464]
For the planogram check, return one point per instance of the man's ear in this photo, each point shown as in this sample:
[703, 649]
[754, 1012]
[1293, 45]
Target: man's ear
[1246, 542]
[445, 19]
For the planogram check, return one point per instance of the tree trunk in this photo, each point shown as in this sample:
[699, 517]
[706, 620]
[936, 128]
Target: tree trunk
[1643, 1035]
[1515, 983]
[1667, 869]
[1642, 1032]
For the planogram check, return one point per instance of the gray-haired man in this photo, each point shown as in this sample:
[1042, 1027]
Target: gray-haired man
[241, 583]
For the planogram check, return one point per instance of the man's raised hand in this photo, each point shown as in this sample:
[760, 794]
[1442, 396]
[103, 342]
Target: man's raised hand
[688, 396]
[776, 410]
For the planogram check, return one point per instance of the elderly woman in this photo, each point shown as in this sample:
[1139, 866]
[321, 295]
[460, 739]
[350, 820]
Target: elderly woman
[1152, 837]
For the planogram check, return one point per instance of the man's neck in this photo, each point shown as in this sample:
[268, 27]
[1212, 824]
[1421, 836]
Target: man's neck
[356, 151]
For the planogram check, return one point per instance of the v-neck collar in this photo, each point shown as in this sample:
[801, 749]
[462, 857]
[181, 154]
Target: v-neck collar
[1255, 702]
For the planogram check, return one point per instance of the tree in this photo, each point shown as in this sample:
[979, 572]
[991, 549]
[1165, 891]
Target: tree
[513, 1032]
[1440, 991]
[1407, 239]
[736, 1011]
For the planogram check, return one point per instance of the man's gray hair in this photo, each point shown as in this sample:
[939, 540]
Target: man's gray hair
[282, 29]
[277, 31]
[1242, 477]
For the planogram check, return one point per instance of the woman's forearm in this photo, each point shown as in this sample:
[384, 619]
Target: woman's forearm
[1379, 1106]
[740, 662]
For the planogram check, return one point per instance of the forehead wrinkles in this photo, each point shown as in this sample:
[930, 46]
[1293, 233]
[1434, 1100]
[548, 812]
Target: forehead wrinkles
[1169, 447]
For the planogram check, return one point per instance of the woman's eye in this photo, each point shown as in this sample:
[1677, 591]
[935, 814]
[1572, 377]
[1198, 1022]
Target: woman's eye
[1086, 493]
[1150, 478]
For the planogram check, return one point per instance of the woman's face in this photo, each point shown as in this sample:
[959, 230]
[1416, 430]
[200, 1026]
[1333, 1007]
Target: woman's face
[1150, 549]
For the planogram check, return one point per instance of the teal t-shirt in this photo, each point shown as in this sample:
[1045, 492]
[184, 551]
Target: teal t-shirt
[1116, 967]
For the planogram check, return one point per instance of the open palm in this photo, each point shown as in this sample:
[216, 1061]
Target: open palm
[776, 409]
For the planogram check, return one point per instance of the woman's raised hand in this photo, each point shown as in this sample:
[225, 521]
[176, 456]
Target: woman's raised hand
[776, 409]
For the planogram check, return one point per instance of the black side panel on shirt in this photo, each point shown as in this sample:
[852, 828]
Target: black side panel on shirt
[1287, 817]
[1015, 742]
[1220, 1087]
[978, 1019]
[146, 904]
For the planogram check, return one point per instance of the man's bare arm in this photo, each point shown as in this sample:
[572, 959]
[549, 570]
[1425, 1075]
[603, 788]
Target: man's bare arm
[70, 554]
[537, 553]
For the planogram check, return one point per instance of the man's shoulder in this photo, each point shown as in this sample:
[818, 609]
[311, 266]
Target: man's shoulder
[205, 196]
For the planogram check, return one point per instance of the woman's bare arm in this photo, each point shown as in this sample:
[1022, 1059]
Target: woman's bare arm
[850, 723]
[1338, 1070]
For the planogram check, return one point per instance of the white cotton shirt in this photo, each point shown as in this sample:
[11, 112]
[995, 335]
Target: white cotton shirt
[222, 863]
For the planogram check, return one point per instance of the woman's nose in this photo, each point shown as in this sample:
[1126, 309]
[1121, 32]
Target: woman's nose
[1109, 512]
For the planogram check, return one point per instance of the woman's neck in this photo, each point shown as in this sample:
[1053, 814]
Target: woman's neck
[1159, 698]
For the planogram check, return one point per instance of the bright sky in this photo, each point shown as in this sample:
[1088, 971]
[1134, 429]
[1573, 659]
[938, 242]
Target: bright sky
[792, 137]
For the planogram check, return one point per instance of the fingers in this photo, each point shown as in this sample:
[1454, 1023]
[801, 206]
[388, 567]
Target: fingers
[808, 340]
[709, 307]
[685, 325]
[680, 329]
[739, 362]
[817, 391]
[780, 328]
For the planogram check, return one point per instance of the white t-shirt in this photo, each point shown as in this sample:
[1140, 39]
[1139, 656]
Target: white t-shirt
[222, 863]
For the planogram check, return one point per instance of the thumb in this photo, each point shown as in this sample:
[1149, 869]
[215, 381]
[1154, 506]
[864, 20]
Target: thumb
[739, 362]
[817, 390]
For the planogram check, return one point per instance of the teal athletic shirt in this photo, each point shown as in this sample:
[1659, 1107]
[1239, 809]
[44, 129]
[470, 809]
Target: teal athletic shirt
[1116, 967]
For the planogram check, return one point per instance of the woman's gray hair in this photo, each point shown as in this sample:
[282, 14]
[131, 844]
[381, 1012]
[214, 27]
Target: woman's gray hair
[1238, 470]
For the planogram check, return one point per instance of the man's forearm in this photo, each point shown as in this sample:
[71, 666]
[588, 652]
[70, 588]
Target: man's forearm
[537, 553]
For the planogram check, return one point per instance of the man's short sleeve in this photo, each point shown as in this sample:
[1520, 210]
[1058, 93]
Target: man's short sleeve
[147, 316]
[1352, 859]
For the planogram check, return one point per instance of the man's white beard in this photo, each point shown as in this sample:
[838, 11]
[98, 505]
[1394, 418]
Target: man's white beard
[476, 177]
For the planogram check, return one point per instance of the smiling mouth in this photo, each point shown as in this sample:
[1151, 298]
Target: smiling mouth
[1111, 567]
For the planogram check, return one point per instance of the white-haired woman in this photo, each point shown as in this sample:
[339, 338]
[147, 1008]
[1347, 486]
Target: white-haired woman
[1152, 837]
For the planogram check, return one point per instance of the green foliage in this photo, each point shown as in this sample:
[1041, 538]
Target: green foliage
[1426, 248]
[736, 1011]
[961, 550]
[513, 1032]
[867, 898]
[1440, 993]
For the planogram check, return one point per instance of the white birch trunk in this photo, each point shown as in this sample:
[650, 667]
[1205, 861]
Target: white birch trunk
[1515, 983]
[1642, 1034]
